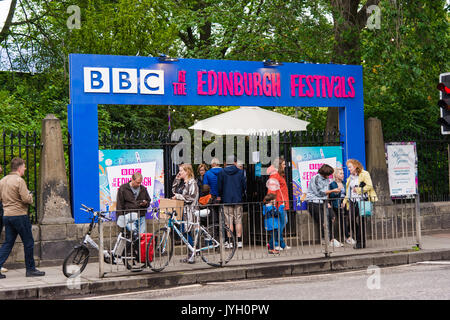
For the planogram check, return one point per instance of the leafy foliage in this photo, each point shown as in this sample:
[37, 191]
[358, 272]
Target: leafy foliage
[401, 60]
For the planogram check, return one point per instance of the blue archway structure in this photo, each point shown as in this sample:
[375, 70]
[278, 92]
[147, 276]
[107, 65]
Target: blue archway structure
[105, 79]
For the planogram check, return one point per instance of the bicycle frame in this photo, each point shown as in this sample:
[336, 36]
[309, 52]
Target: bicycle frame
[87, 239]
[172, 224]
[119, 246]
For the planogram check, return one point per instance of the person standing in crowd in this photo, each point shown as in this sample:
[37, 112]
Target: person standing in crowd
[16, 198]
[277, 178]
[232, 185]
[210, 178]
[339, 209]
[189, 195]
[318, 191]
[131, 197]
[1, 222]
[359, 183]
[178, 183]
[201, 170]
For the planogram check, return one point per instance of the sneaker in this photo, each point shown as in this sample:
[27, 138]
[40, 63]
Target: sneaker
[278, 248]
[228, 245]
[239, 244]
[287, 247]
[35, 273]
[335, 243]
[273, 251]
[350, 241]
[4, 270]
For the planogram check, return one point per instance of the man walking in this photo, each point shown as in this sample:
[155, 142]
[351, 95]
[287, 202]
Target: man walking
[15, 197]
[232, 185]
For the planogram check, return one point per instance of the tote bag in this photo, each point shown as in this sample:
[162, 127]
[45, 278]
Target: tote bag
[365, 208]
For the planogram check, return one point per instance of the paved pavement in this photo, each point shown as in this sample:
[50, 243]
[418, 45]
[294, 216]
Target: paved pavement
[54, 285]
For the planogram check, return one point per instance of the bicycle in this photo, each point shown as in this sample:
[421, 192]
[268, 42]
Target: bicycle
[205, 243]
[126, 249]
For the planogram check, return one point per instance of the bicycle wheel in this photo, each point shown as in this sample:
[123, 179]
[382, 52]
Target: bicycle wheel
[211, 237]
[76, 261]
[160, 250]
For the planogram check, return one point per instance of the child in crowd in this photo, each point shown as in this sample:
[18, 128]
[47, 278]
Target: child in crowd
[271, 221]
[205, 195]
[204, 207]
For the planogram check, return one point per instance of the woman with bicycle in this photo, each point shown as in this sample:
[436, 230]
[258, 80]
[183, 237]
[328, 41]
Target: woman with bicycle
[189, 194]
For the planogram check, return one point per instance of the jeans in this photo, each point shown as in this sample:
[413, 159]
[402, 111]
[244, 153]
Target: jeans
[279, 240]
[273, 241]
[316, 211]
[187, 235]
[139, 225]
[18, 225]
[1, 218]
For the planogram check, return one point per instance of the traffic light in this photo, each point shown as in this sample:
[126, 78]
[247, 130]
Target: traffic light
[444, 102]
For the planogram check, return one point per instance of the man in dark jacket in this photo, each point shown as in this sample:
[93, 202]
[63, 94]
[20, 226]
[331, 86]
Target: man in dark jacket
[133, 197]
[210, 177]
[232, 184]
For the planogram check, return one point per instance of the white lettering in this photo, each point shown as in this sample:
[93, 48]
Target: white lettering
[151, 81]
[96, 80]
[124, 80]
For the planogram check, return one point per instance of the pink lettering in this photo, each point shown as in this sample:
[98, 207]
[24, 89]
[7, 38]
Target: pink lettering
[317, 79]
[310, 92]
[248, 83]
[212, 79]
[227, 83]
[276, 85]
[350, 82]
[220, 84]
[238, 87]
[293, 84]
[200, 83]
[267, 88]
[257, 84]
[301, 86]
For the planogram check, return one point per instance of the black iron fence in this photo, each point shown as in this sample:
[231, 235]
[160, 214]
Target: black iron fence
[25, 145]
[433, 163]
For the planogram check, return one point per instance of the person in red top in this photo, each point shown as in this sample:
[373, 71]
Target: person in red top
[277, 185]
[276, 171]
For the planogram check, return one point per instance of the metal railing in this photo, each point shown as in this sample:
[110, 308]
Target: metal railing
[25, 145]
[394, 224]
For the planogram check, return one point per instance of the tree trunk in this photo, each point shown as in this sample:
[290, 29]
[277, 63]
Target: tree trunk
[348, 22]
[8, 21]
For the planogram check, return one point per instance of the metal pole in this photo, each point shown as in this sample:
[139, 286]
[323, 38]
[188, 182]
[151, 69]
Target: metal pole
[418, 224]
[326, 226]
[101, 267]
[221, 232]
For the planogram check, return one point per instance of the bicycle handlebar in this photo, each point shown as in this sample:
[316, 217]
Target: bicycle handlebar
[98, 213]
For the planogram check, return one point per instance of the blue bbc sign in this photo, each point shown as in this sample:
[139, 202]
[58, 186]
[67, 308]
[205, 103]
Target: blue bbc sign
[103, 79]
